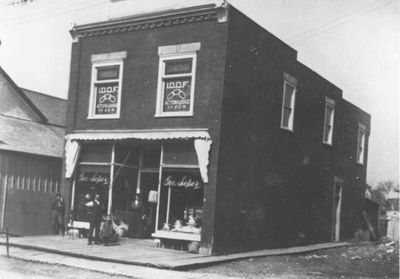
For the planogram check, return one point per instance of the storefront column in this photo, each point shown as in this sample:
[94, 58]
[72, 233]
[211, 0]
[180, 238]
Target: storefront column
[111, 180]
[73, 192]
[159, 186]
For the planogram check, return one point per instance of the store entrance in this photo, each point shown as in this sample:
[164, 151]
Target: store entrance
[148, 188]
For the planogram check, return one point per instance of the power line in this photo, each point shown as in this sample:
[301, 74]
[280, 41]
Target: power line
[336, 23]
[46, 11]
[71, 9]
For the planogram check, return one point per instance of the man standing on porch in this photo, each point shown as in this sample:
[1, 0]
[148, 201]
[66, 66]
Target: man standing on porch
[95, 213]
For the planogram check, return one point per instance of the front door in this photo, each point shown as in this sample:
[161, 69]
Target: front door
[337, 206]
[148, 188]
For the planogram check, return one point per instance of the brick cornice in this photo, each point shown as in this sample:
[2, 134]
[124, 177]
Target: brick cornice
[150, 21]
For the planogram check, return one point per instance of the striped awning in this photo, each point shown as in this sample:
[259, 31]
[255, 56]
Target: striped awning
[202, 143]
[157, 134]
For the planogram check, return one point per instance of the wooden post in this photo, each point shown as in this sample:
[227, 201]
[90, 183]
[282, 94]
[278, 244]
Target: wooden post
[111, 180]
[3, 209]
[159, 187]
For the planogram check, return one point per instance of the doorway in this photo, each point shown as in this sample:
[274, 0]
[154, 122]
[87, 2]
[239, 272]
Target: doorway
[337, 207]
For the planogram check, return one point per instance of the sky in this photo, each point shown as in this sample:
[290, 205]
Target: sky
[352, 43]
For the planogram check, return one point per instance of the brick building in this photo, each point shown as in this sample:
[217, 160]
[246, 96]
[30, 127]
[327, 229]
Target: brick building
[208, 125]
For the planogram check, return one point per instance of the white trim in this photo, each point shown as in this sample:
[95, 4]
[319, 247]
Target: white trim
[290, 126]
[108, 56]
[331, 104]
[100, 62]
[176, 52]
[159, 187]
[177, 235]
[178, 49]
[110, 186]
[290, 79]
[156, 134]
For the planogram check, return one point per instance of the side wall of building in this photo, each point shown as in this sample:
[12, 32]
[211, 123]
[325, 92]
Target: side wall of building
[277, 189]
[28, 184]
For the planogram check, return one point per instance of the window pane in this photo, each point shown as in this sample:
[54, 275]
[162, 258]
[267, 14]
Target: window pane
[186, 205]
[288, 95]
[327, 132]
[106, 98]
[182, 153]
[286, 117]
[179, 66]
[328, 115]
[96, 153]
[109, 72]
[151, 157]
[177, 94]
[127, 154]
[360, 149]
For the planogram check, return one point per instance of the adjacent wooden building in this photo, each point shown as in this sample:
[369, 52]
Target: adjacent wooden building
[208, 126]
[31, 156]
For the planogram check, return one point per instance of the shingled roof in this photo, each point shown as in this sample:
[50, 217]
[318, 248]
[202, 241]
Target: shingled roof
[31, 137]
[55, 109]
[42, 134]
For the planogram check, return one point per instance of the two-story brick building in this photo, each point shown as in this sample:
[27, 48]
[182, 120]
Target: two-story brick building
[209, 125]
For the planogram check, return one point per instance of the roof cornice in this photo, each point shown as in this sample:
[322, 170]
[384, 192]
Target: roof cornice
[151, 20]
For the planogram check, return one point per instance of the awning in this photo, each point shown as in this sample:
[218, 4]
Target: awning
[201, 136]
[161, 134]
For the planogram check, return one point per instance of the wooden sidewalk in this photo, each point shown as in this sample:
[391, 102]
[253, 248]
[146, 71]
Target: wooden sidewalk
[144, 252]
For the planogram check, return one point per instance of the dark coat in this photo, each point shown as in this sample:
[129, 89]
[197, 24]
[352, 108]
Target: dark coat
[58, 206]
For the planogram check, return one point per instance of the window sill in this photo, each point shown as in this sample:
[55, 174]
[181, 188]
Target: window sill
[173, 115]
[287, 129]
[102, 117]
[327, 144]
[177, 235]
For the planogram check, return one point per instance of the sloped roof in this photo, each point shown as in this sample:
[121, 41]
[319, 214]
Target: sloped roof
[31, 137]
[55, 109]
[20, 93]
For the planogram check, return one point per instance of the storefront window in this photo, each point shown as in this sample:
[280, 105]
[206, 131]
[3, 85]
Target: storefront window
[90, 180]
[181, 201]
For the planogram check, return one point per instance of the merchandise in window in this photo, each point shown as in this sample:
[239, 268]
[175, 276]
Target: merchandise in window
[181, 201]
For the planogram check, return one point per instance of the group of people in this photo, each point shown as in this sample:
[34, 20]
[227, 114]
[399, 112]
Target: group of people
[95, 210]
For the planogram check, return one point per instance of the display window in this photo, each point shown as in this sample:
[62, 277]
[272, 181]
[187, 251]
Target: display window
[90, 180]
[181, 201]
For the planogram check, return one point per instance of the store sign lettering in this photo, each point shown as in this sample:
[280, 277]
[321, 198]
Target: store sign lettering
[107, 98]
[93, 178]
[184, 182]
[177, 94]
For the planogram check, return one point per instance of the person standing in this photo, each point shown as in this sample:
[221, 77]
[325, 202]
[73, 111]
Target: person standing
[95, 213]
[58, 210]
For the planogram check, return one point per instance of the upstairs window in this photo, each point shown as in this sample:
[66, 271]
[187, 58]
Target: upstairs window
[105, 100]
[288, 102]
[361, 144]
[328, 122]
[176, 82]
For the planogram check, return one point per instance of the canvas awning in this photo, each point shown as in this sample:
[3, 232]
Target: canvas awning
[202, 142]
